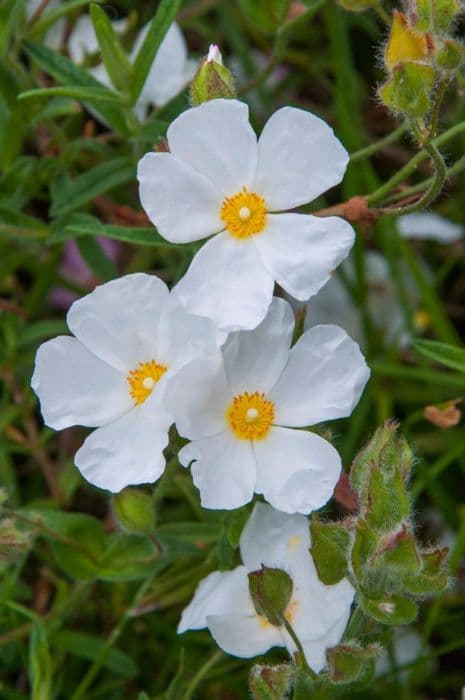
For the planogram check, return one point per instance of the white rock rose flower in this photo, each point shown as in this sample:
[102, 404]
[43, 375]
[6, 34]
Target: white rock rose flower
[170, 71]
[429, 226]
[217, 179]
[317, 613]
[238, 407]
[129, 340]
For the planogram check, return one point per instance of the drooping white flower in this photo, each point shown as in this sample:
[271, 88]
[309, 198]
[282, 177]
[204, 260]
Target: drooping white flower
[217, 179]
[427, 225]
[168, 75]
[129, 340]
[238, 407]
[317, 613]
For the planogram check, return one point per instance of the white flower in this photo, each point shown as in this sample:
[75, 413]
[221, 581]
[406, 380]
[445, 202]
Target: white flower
[129, 339]
[217, 179]
[429, 226]
[317, 613]
[169, 74]
[237, 405]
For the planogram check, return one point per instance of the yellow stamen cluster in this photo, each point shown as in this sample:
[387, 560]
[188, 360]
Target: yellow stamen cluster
[142, 380]
[250, 416]
[244, 214]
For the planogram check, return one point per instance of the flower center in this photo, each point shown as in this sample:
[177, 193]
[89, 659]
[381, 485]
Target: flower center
[143, 379]
[250, 416]
[244, 214]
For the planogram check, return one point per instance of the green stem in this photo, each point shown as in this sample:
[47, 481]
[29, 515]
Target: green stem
[201, 673]
[378, 145]
[458, 166]
[440, 177]
[438, 98]
[300, 649]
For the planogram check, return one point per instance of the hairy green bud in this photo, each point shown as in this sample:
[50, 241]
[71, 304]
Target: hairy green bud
[212, 80]
[133, 510]
[352, 662]
[271, 591]
[270, 682]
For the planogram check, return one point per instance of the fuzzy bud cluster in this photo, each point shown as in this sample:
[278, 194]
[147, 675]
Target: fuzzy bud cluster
[420, 52]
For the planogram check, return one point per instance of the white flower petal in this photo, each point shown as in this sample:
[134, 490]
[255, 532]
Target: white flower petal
[182, 337]
[221, 592]
[216, 140]
[127, 451]
[182, 204]
[168, 75]
[198, 397]
[301, 251]
[227, 283]
[299, 158]
[244, 636]
[119, 320]
[334, 304]
[428, 226]
[297, 471]
[75, 387]
[323, 380]
[225, 471]
[273, 538]
[249, 364]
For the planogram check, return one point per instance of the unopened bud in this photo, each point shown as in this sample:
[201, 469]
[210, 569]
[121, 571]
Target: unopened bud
[212, 80]
[449, 55]
[405, 44]
[351, 662]
[434, 15]
[270, 682]
[408, 91]
[271, 591]
[133, 509]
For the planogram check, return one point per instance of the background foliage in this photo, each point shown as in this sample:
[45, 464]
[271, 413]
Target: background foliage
[88, 610]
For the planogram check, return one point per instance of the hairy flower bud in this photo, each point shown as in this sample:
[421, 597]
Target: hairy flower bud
[405, 44]
[133, 509]
[351, 662]
[433, 15]
[270, 682]
[271, 591]
[212, 80]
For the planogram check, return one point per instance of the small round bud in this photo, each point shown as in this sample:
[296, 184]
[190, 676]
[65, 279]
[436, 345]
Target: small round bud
[133, 510]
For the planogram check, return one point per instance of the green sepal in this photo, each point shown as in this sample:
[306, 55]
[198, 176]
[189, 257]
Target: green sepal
[133, 510]
[271, 591]
[389, 610]
[387, 499]
[409, 89]
[364, 548]
[330, 550]
[434, 15]
[212, 81]
[270, 682]
[370, 455]
[433, 575]
[399, 553]
[351, 662]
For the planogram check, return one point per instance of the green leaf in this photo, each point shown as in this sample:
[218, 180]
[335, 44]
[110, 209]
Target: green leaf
[48, 18]
[448, 355]
[10, 13]
[77, 92]
[68, 194]
[40, 330]
[40, 664]
[330, 549]
[89, 647]
[85, 225]
[68, 73]
[269, 15]
[17, 225]
[165, 15]
[128, 558]
[116, 62]
[96, 258]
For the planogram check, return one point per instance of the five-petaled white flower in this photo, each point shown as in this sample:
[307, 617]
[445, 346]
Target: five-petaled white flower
[129, 339]
[317, 613]
[217, 179]
[170, 72]
[237, 405]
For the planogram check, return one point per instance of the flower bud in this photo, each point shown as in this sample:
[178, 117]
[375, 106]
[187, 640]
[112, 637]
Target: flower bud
[330, 549]
[390, 610]
[448, 55]
[271, 591]
[352, 662]
[434, 15]
[270, 682]
[405, 44]
[133, 510]
[212, 80]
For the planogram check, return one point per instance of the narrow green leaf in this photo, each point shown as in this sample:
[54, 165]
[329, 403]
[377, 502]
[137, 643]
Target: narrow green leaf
[166, 13]
[67, 73]
[85, 225]
[40, 664]
[16, 225]
[448, 355]
[41, 330]
[70, 194]
[96, 259]
[114, 58]
[48, 18]
[10, 12]
[88, 94]
[89, 647]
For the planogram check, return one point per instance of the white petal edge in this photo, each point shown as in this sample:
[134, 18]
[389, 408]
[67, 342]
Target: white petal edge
[299, 158]
[429, 226]
[77, 388]
[323, 380]
[244, 636]
[300, 251]
[297, 470]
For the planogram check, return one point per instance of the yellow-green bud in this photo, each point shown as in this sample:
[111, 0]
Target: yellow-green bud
[271, 591]
[133, 510]
[409, 89]
[212, 80]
